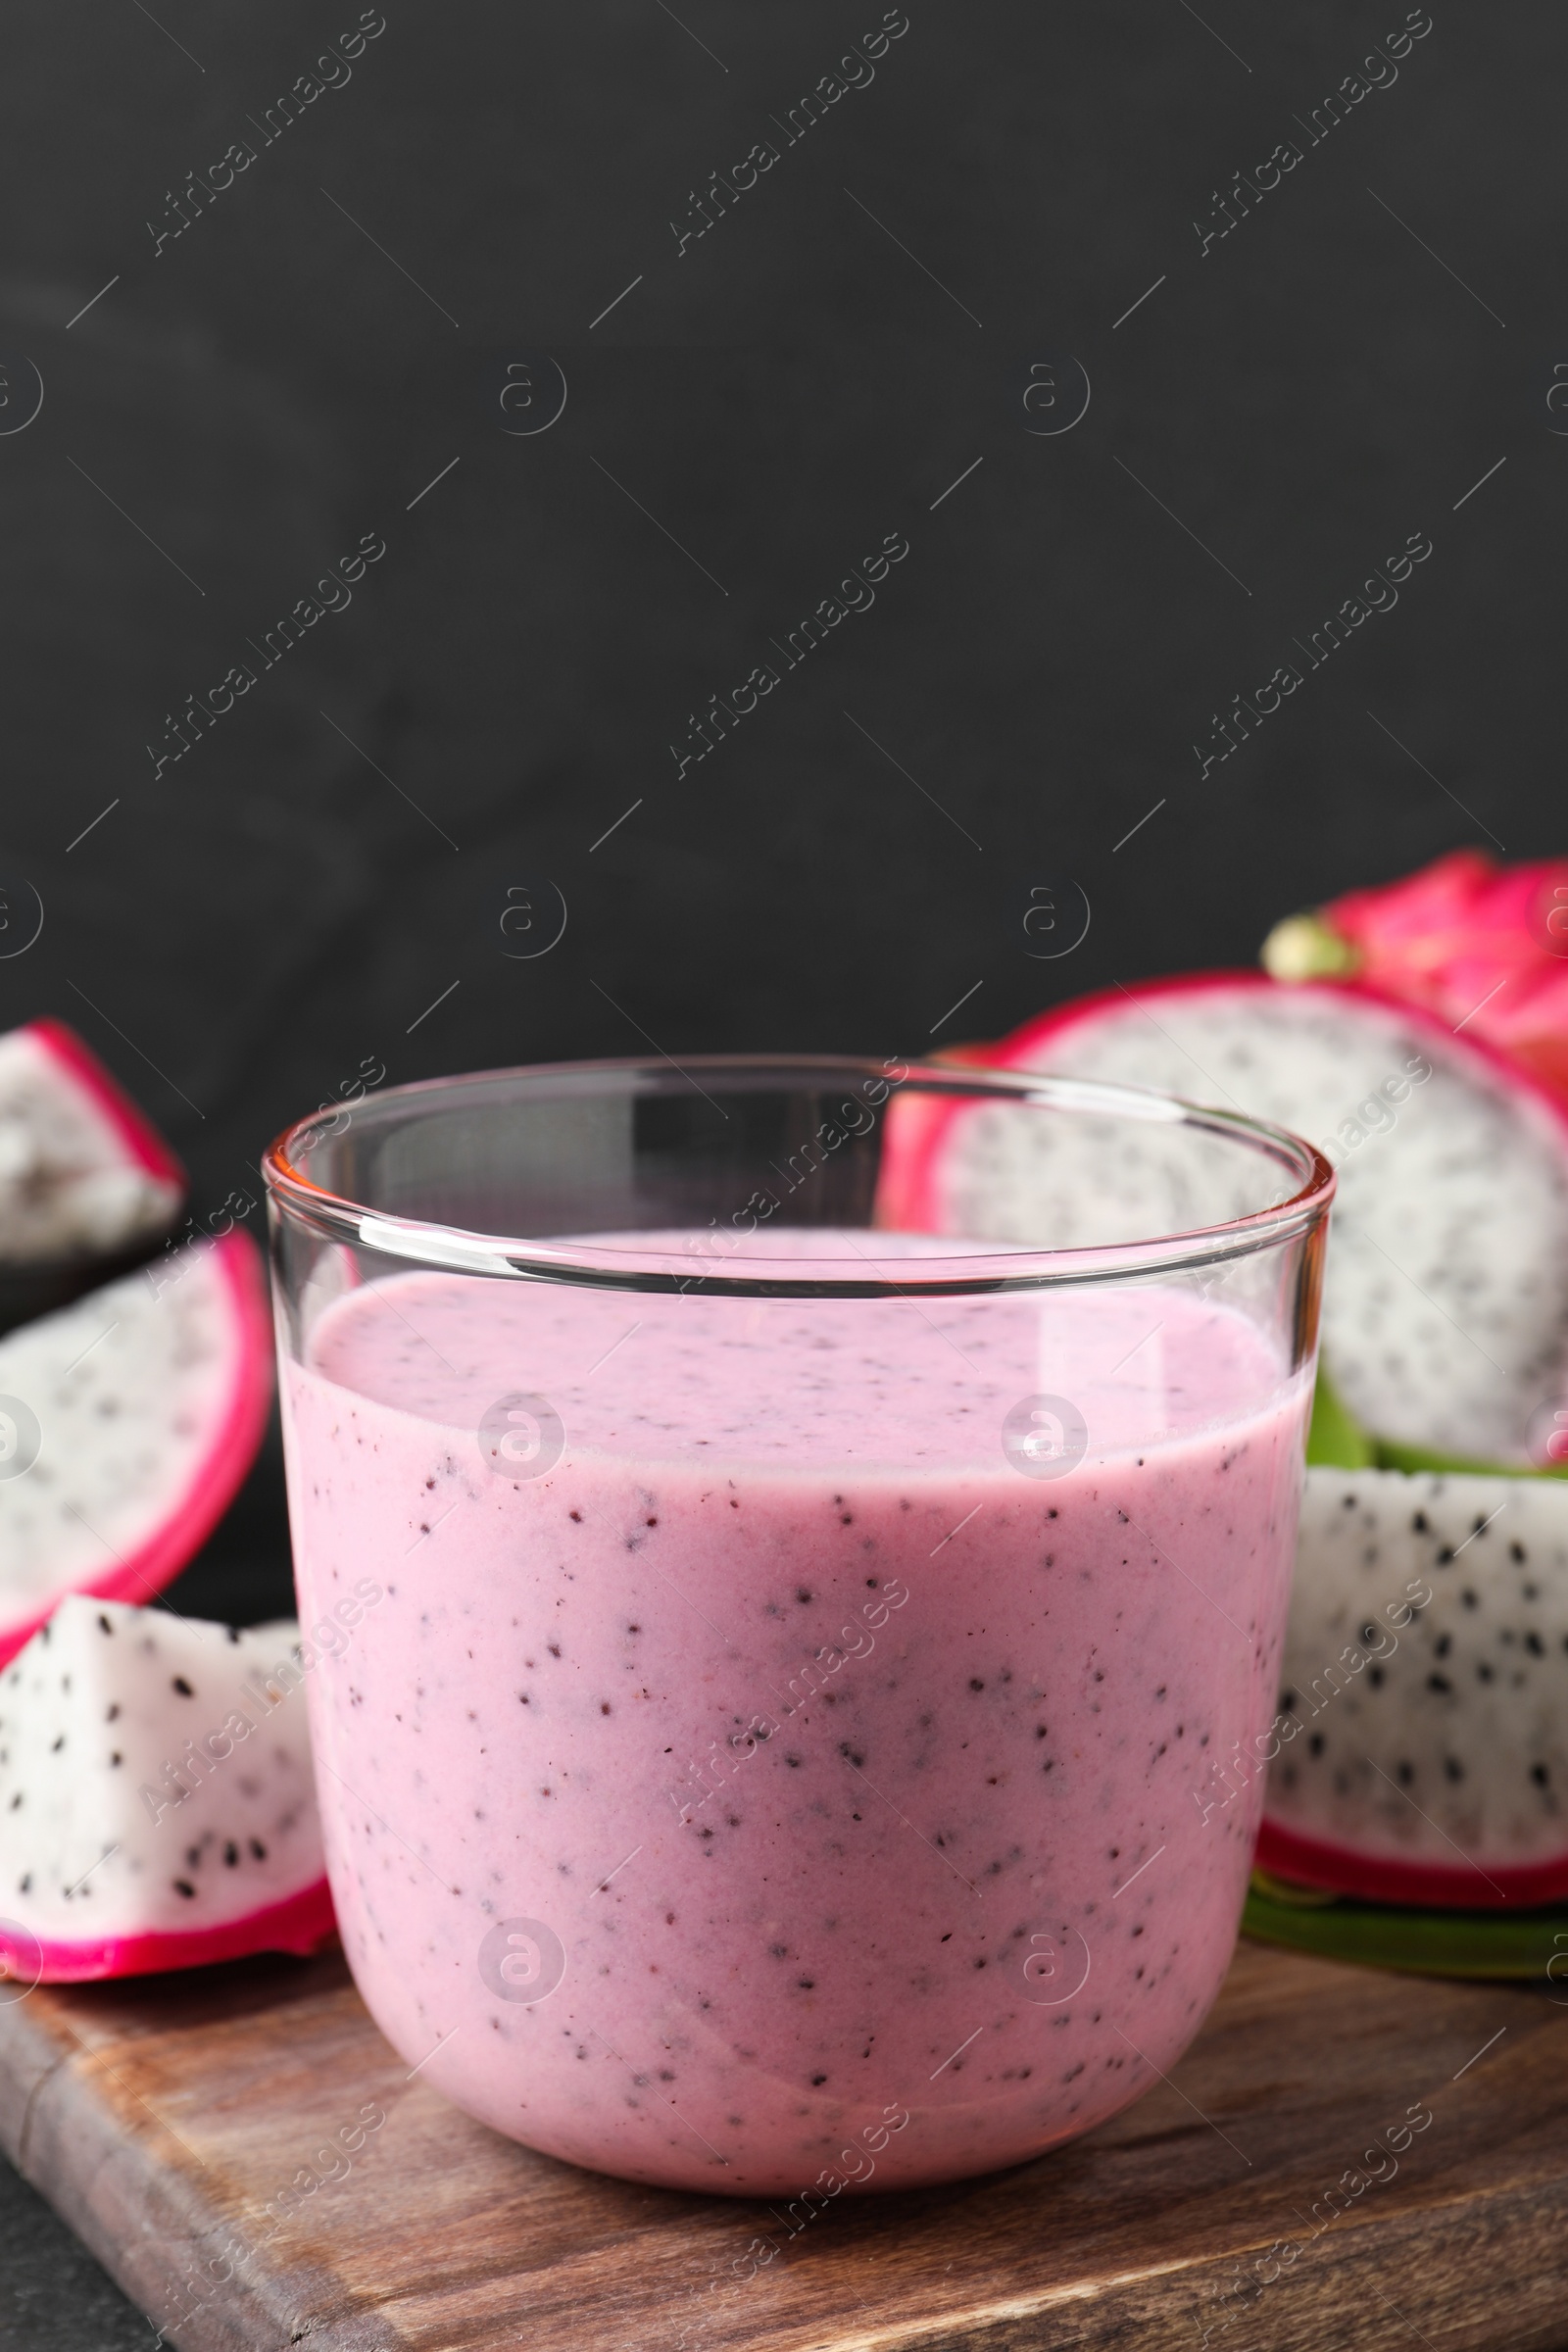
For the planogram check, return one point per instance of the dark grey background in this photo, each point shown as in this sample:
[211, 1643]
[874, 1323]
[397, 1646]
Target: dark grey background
[237, 935]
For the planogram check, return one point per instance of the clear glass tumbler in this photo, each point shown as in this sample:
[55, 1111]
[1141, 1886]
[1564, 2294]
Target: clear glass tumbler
[791, 1627]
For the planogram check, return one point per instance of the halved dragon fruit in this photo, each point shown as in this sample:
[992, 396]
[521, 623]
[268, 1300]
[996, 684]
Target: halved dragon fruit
[1474, 943]
[157, 1796]
[84, 1178]
[1446, 1307]
[127, 1420]
[1421, 1754]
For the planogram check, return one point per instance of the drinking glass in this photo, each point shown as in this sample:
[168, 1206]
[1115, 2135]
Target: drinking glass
[805, 1529]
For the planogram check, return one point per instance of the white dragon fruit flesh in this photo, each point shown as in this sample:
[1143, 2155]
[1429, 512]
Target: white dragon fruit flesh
[157, 1804]
[127, 1420]
[1421, 1750]
[82, 1171]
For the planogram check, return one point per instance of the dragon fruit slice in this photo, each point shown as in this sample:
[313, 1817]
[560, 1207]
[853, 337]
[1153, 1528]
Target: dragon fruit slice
[1470, 940]
[156, 1794]
[1445, 1307]
[1423, 1745]
[88, 1185]
[80, 1168]
[127, 1421]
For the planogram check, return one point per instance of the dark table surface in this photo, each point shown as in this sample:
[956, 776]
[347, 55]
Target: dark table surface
[53, 2296]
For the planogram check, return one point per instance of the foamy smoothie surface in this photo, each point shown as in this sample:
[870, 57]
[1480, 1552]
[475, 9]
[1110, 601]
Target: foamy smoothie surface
[768, 1783]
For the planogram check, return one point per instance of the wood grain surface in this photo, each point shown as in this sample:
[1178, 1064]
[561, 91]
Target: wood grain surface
[164, 2117]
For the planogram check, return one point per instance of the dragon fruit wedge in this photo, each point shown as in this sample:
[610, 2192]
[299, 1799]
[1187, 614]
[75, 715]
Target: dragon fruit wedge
[1420, 1755]
[1471, 941]
[1446, 1307]
[127, 1420]
[157, 1798]
[85, 1179]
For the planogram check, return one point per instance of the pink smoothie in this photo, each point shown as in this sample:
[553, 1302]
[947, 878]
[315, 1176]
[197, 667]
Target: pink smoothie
[840, 1774]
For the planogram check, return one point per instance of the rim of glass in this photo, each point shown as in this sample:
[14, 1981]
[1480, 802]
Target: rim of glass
[1004, 1266]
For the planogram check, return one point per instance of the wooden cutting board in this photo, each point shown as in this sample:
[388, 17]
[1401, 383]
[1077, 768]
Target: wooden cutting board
[161, 2116]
